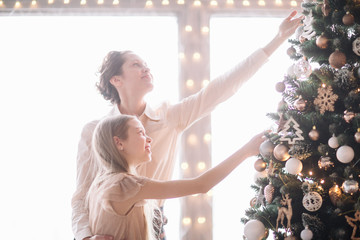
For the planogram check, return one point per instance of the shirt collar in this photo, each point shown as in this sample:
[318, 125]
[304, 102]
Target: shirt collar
[148, 112]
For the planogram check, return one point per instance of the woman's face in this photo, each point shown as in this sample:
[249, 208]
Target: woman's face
[137, 147]
[136, 76]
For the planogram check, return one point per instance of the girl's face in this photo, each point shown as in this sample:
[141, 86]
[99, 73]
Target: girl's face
[136, 76]
[137, 147]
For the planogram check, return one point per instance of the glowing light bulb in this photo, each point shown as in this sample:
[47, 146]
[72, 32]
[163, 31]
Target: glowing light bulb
[182, 55]
[192, 139]
[205, 82]
[261, 3]
[230, 2]
[293, 3]
[197, 3]
[184, 165]
[213, 3]
[205, 29]
[201, 220]
[310, 173]
[323, 85]
[196, 56]
[148, 3]
[100, 2]
[201, 166]
[66, 1]
[165, 2]
[17, 4]
[190, 83]
[181, 2]
[278, 2]
[186, 221]
[207, 138]
[82, 2]
[33, 3]
[188, 28]
[116, 2]
[246, 3]
[1, 3]
[50, 1]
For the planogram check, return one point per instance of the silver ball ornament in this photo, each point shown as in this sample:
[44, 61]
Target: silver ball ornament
[333, 142]
[350, 186]
[254, 230]
[306, 234]
[266, 149]
[345, 154]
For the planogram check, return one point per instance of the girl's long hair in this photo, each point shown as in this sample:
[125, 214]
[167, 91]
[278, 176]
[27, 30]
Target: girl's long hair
[111, 161]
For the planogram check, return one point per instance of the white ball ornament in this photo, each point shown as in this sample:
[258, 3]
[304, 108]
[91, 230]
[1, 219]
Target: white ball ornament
[333, 142]
[293, 166]
[312, 201]
[306, 234]
[345, 154]
[254, 230]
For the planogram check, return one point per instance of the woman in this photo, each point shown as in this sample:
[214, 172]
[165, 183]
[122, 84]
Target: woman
[125, 79]
[117, 197]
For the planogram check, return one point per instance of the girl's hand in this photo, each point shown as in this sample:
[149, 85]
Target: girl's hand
[252, 147]
[289, 25]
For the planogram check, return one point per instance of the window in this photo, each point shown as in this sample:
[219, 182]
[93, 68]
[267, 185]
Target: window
[48, 73]
[242, 116]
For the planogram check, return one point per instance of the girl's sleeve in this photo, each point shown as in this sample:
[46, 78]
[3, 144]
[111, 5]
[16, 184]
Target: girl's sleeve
[121, 188]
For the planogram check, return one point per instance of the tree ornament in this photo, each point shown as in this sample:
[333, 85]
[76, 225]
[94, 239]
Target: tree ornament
[308, 31]
[333, 142]
[356, 46]
[325, 8]
[291, 51]
[356, 70]
[285, 212]
[345, 154]
[337, 59]
[290, 237]
[293, 166]
[260, 165]
[348, 19]
[350, 185]
[302, 69]
[322, 41]
[300, 104]
[314, 134]
[269, 193]
[306, 234]
[348, 116]
[357, 136]
[325, 162]
[280, 87]
[351, 221]
[281, 152]
[253, 202]
[325, 99]
[254, 230]
[266, 149]
[291, 132]
[312, 201]
[335, 194]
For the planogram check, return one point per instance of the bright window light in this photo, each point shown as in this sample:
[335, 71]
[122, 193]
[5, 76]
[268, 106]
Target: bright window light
[48, 72]
[238, 119]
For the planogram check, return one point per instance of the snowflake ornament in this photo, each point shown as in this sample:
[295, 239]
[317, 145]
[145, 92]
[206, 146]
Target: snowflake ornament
[325, 99]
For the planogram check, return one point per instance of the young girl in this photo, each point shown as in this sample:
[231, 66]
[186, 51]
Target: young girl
[117, 199]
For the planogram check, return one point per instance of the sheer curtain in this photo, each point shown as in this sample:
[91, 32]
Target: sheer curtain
[241, 117]
[48, 72]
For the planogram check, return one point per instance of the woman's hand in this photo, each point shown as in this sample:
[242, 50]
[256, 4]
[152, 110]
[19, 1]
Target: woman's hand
[289, 25]
[253, 146]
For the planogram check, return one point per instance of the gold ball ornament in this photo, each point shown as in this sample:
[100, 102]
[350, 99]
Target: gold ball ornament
[335, 194]
[348, 19]
[300, 104]
[322, 41]
[253, 202]
[280, 87]
[281, 152]
[337, 59]
[357, 136]
[314, 134]
[348, 116]
[260, 165]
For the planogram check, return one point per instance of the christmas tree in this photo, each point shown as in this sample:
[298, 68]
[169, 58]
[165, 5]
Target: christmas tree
[311, 159]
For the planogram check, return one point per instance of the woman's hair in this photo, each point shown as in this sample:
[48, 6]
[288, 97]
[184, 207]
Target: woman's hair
[111, 66]
[104, 146]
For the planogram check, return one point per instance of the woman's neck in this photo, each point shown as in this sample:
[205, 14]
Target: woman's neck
[132, 108]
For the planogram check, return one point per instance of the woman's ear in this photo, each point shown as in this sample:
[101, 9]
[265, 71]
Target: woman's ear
[118, 142]
[115, 81]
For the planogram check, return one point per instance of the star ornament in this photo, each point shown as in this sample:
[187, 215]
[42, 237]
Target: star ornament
[325, 99]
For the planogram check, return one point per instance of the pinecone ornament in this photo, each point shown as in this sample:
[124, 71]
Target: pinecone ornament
[269, 193]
